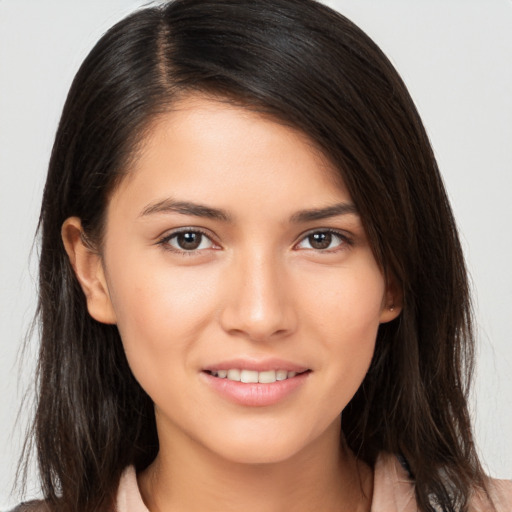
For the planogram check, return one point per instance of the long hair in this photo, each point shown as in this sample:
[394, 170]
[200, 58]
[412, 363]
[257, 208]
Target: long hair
[309, 67]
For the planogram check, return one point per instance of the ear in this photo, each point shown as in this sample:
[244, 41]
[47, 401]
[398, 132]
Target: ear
[88, 267]
[393, 301]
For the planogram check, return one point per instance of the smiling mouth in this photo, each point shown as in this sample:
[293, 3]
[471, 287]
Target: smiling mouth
[254, 377]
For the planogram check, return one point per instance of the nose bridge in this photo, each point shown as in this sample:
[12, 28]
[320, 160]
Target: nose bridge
[259, 305]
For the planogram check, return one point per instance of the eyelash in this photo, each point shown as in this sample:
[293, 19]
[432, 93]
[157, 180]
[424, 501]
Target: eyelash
[345, 240]
[164, 241]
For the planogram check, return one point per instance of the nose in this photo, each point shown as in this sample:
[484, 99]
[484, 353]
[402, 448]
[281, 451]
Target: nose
[259, 303]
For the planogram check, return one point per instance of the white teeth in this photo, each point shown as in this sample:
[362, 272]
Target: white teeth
[281, 374]
[234, 375]
[267, 377]
[248, 376]
[252, 376]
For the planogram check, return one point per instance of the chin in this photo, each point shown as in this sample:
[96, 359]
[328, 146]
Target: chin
[257, 454]
[272, 448]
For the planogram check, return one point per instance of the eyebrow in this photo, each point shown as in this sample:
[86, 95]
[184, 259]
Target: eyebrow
[200, 210]
[323, 213]
[186, 208]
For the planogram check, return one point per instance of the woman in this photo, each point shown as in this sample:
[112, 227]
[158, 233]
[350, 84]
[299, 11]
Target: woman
[252, 292]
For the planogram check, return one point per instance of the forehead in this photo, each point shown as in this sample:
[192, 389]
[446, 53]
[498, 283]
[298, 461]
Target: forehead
[206, 149]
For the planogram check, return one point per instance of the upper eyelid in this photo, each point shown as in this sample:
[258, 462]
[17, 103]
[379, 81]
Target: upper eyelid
[164, 240]
[347, 240]
[346, 236]
[340, 232]
[187, 229]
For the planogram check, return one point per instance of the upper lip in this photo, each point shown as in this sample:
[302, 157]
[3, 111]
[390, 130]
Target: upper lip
[259, 365]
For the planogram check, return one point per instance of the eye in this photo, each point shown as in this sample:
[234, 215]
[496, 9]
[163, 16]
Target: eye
[323, 241]
[187, 241]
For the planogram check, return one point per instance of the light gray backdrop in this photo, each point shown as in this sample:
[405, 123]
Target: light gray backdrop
[456, 58]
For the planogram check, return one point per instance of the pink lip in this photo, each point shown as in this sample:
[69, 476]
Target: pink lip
[255, 394]
[256, 365]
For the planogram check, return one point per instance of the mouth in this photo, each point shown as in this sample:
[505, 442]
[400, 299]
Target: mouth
[267, 384]
[253, 376]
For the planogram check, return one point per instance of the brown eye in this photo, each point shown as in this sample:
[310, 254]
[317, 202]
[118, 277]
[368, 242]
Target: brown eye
[323, 241]
[320, 240]
[189, 241]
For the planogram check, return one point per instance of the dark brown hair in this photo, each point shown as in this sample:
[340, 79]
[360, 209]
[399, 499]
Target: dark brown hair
[311, 68]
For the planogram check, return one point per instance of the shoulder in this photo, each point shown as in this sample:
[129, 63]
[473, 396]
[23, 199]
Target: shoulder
[394, 490]
[31, 506]
[500, 492]
[128, 497]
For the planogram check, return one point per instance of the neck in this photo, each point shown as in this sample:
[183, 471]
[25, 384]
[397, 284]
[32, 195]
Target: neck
[323, 476]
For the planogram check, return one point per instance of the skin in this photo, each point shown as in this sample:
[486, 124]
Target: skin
[259, 285]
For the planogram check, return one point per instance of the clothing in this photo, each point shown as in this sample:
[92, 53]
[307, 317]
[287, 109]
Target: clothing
[393, 491]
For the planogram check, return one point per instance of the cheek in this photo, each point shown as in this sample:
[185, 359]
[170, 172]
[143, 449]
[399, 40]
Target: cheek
[346, 313]
[349, 301]
[160, 309]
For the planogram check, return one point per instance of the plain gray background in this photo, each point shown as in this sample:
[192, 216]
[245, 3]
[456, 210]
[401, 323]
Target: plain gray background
[454, 55]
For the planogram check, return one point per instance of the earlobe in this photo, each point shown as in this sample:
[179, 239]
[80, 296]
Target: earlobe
[390, 312]
[88, 267]
[393, 302]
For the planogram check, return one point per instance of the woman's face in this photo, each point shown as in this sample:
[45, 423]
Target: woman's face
[230, 253]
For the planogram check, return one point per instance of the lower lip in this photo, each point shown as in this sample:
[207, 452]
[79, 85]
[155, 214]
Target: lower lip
[255, 394]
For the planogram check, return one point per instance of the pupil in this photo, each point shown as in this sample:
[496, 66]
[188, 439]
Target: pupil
[189, 241]
[320, 240]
